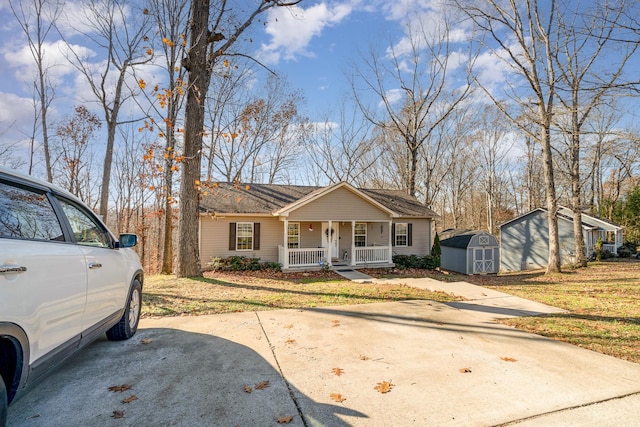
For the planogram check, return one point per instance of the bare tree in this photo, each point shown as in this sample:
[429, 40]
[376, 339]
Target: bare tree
[207, 43]
[492, 148]
[414, 87]
[587, 74]
[37, 18]
[74, 135]
[119, 32]
[171, 19]
[522, 34]
[343, 151]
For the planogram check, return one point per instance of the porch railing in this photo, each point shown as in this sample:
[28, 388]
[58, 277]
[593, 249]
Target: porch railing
[372, 254]
[303, 257]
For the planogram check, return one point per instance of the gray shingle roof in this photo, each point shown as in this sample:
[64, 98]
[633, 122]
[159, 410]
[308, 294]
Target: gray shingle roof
[268, 198]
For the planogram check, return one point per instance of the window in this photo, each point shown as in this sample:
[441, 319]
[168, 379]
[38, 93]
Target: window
[86, 229]
[27, 214]
[360, 234]
[244, 236]
[293, 235]
[402, 234]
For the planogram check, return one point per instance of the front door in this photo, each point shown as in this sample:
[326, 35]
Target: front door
[330, 238]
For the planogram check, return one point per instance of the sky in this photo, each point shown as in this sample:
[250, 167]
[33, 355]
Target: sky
[314, 45]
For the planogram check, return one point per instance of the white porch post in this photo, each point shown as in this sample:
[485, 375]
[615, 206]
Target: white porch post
[327, 250]
[390, 242]
[353, 243]
[285, 246]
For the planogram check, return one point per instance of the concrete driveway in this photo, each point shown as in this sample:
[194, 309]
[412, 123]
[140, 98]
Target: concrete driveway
[439, 364]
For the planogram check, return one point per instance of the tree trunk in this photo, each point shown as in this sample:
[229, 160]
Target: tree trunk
[552, 203]
[188, 264]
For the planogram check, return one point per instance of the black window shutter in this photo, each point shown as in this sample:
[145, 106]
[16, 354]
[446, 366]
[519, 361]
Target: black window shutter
[409, 234]
[256, 236]
[232, 236]
[393, 234]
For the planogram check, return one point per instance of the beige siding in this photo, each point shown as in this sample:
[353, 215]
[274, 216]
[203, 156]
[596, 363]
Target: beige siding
[339, 205]
[422, 238]
[214, 238]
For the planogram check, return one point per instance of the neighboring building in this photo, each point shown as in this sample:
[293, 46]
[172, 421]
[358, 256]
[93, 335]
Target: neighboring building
[524, 241]
[469, 252]
[305, 227]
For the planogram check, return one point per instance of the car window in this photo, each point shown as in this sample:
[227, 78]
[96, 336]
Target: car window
[27, 214]
[86, 230]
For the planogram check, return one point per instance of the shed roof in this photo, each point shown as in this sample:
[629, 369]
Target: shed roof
[459, 240]
[261, 199]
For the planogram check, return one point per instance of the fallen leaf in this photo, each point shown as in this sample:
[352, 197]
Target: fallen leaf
[363, 357]
[120, 388]
[146, 341]
[384, 387]
[285, 420]
[262, 385]
[130, 399]
[248, 389]
[290, 341]
[288, 326]
[465, 370]
[338, 371]
[337, 397]
[508, 359]
[335, 323]
[117, 414]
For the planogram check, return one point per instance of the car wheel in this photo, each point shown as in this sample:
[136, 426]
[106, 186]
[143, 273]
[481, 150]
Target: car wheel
[128, 324]
[3, 403]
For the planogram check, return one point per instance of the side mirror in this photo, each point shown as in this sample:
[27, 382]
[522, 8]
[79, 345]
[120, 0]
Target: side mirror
[127, 240]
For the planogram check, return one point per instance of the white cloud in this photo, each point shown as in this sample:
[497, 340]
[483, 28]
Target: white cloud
[14, 109]
[55, 62]
[393, 96]
[292, 28]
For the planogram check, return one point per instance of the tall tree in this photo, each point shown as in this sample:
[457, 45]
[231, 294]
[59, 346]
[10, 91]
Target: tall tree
[207, 43]
[119, 32]
[171, 18]
[37, 19]
[521, 33]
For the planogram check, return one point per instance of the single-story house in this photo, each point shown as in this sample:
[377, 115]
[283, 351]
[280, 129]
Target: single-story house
[469, 252]
[524, 240]
[306, 226]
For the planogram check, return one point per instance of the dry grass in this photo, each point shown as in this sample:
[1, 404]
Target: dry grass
[226, 293]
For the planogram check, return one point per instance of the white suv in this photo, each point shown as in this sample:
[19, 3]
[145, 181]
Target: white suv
[64, 281]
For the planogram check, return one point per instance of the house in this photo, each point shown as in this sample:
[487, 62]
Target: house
[306, 227]
[524, 240]
[469, 252]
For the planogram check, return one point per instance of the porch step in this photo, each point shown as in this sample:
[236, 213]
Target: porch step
[350, 274]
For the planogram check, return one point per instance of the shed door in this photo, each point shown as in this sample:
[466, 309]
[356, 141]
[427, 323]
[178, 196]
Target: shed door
[482, 260]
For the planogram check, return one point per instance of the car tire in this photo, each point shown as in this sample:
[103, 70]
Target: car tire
[3, 403]
[128, 324]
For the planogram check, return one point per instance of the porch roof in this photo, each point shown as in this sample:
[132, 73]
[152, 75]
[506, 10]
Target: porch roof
[229, 198]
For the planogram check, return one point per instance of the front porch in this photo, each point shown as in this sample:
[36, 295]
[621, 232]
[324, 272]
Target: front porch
[336, 244]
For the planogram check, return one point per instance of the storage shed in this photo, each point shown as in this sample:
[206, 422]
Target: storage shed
[524, 240]
[470, 252]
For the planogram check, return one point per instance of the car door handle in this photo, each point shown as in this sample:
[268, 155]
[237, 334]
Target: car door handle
[93, 265]
[12, 269]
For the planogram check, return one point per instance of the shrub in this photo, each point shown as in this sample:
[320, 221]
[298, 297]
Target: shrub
[414, 261]
[624, 252]
[241, 263]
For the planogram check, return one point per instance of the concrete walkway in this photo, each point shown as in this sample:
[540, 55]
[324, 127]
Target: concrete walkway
[501, 305]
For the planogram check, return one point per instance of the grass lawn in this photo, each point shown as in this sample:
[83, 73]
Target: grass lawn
[603, 300]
